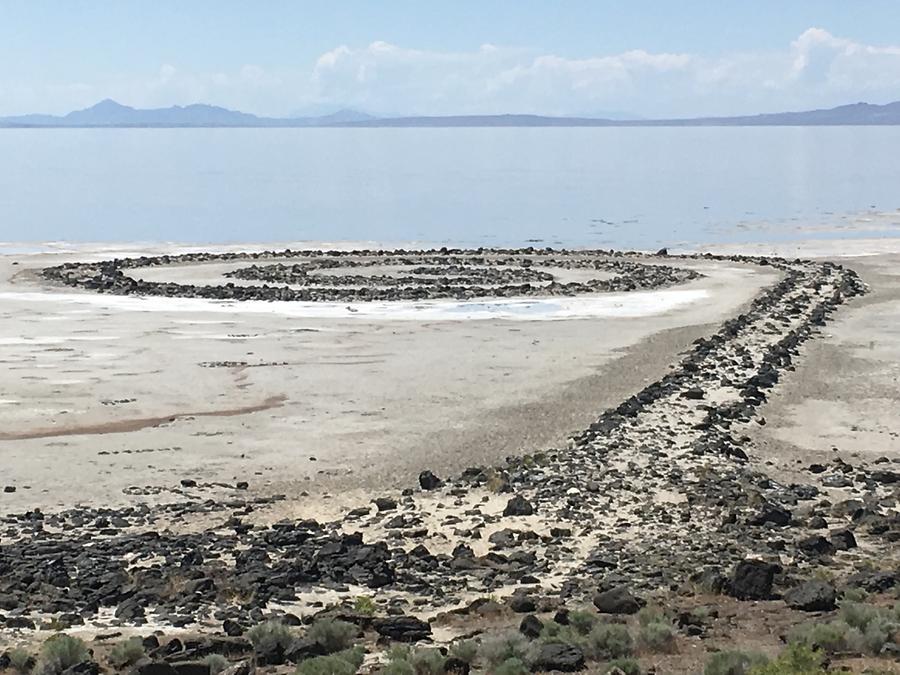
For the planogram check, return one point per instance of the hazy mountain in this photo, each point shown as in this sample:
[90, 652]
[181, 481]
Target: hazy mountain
[855, 113]
[108, 113]
[323, 110]
[344, 116]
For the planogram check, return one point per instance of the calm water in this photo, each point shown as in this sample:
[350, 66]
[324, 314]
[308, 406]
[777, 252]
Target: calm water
[622, 187]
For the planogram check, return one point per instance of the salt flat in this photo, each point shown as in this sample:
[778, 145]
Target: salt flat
[128, 392]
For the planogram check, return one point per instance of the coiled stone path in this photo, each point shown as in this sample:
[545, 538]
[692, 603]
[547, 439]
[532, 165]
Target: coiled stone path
[322, 276]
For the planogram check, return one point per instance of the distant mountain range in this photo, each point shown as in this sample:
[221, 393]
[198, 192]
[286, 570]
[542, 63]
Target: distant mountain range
[108, 113]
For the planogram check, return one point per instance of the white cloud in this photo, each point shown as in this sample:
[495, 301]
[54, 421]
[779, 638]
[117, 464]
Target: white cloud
[817, 69]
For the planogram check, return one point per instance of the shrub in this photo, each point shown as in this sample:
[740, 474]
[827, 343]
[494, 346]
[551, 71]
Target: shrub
[398, 662]
[607, 641]
[270, 636]
[465, 651]
[405, 661]
[58, 653]
[854, 595]
[511, 667]
[216, 663]
[508, 646]
[398, 668]
[427, 662]
[831, 637]
[861, 628]
[20, 660]
[795, 660]
[364, 605]
[627, 666]
[333, 635]
[345, 662]
[657, 636]
[127, 653]
[582, 621]
[858, 615]
[648, 615]
[554, 632]
[733, 663]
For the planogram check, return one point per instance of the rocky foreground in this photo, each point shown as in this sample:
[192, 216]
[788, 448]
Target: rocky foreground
[656, 511]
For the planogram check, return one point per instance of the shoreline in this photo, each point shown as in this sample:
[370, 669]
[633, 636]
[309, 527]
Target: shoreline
[671, 487]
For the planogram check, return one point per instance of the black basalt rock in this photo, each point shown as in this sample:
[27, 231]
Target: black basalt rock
[402, 628]
[812, 596]
[518, 506]
[752, 580]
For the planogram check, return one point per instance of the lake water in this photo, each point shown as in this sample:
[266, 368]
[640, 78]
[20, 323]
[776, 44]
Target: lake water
[625, 187]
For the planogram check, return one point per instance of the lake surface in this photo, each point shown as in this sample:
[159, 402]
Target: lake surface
[624, 187]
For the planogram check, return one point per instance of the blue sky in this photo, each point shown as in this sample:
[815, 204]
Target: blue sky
[566, 57]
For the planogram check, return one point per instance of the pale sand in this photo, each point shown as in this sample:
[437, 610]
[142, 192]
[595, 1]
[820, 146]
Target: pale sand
[373, 398]
[843, 400]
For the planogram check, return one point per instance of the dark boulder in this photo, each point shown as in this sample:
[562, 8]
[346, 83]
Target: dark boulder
[556, 656]
[428, 481]
[155, 668]
[304, 648]
[518, 506]
[83, 668]
[531, 627]
[385, 503]
[521, 603]
[752, 580]
[770, 513]
[232, 628]
[812, 596]
[885, 477]
[456, 666]
[843, 540]
[191, 668]
[618, 600]
[816, 545]
[402, 628]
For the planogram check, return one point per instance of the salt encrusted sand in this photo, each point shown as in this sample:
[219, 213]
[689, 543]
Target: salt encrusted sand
[647, 495]
[373, 391]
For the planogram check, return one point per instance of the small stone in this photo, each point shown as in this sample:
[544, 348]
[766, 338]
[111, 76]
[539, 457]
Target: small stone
[837, 481]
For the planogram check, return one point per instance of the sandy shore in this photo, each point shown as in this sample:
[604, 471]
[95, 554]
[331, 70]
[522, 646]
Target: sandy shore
[129, 392]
